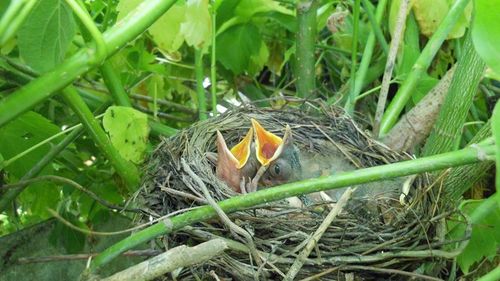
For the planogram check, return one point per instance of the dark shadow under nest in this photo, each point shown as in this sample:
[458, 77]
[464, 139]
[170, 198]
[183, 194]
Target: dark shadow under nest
[369, 245]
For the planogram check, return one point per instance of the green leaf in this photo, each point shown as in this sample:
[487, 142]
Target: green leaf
[238, 44]
[485, 32]
[23, 133]
[197, 27]
[485, 237]
[128, 130]
[247, 8]
[46, 34]
[166, 31]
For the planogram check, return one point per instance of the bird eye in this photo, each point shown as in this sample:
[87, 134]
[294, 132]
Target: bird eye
[277, 169]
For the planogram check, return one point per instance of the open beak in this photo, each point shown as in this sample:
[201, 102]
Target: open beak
[229, 162]
[268, 146]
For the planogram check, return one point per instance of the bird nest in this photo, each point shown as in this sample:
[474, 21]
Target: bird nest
[373, 237]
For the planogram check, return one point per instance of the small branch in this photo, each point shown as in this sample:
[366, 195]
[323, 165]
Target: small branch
[181, 256]
[167, 103]
[213, 66]
[59, 258]
[62, 180]
[200, 91]
[225, 219]
[391, 61]
[299, 261]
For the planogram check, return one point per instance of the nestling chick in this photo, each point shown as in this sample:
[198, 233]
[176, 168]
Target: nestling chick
[237, 164]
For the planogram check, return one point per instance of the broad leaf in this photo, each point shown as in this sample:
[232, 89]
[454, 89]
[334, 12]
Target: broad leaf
[197, 27]
[46, 34]
[430, 14]
[485, 32]
[128, 130]
[238, 44]
[166, 31]
[495, 129]
[484, 240]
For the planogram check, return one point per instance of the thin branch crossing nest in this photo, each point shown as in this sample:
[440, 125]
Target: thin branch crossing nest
[374, 237]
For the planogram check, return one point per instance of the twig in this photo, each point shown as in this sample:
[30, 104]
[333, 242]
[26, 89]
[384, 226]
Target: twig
[392, 271]
[58, 258]
[182, 256]
[74, 184]
[299, 262]
[391, 58]
[227, 221]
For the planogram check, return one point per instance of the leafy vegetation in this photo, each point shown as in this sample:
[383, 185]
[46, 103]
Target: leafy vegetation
[88, 87]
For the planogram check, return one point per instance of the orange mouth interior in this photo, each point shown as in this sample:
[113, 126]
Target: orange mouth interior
[241, 151]
[266, 144]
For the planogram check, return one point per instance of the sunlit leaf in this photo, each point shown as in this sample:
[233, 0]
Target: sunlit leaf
[46, 34]
[430, 14]
[128, 130]
[257, 61]
[486, 33]
[197, 28]
[166, 31]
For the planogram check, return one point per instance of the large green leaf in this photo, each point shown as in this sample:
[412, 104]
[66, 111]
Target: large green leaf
[46, 34]
[486, 33]
[128, 130]
[238, 44]
[485, 237]
[197, 27]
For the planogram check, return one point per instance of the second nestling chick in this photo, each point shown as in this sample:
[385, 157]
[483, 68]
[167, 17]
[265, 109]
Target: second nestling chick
[278, 155]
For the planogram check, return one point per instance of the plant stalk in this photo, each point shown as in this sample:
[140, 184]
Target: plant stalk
[200, 91]
[431, 163]
[306, 38]
[351, 99]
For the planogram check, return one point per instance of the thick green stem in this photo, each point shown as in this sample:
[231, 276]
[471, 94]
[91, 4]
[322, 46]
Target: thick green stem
[463, 88]
[127, 171]
[46, 85]
[351, 99]
[213, 68]
[306, 38]
[86, 20]
[200, 91]
[368, 52]
[114, 85]
[423, 62]
[375, 22]
[431, 163]
[13, 18]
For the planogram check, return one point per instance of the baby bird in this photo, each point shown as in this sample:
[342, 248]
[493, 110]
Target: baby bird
[279, 155]
[238, 164]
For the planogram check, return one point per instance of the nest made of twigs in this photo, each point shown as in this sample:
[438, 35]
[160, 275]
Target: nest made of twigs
[352, 243]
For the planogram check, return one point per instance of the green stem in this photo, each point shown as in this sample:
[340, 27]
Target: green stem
[420, 67]
[158, 128]
[7, 197]
[306, 38]
[351, 99]
[116, 37]
[493, 275]
[213, 68]
[114, 85]
[431, 163]
[375, 22]
[13, 18]
[200, 91]
[127, 171]
[368, 52]
[453, 114]
[81, 13]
